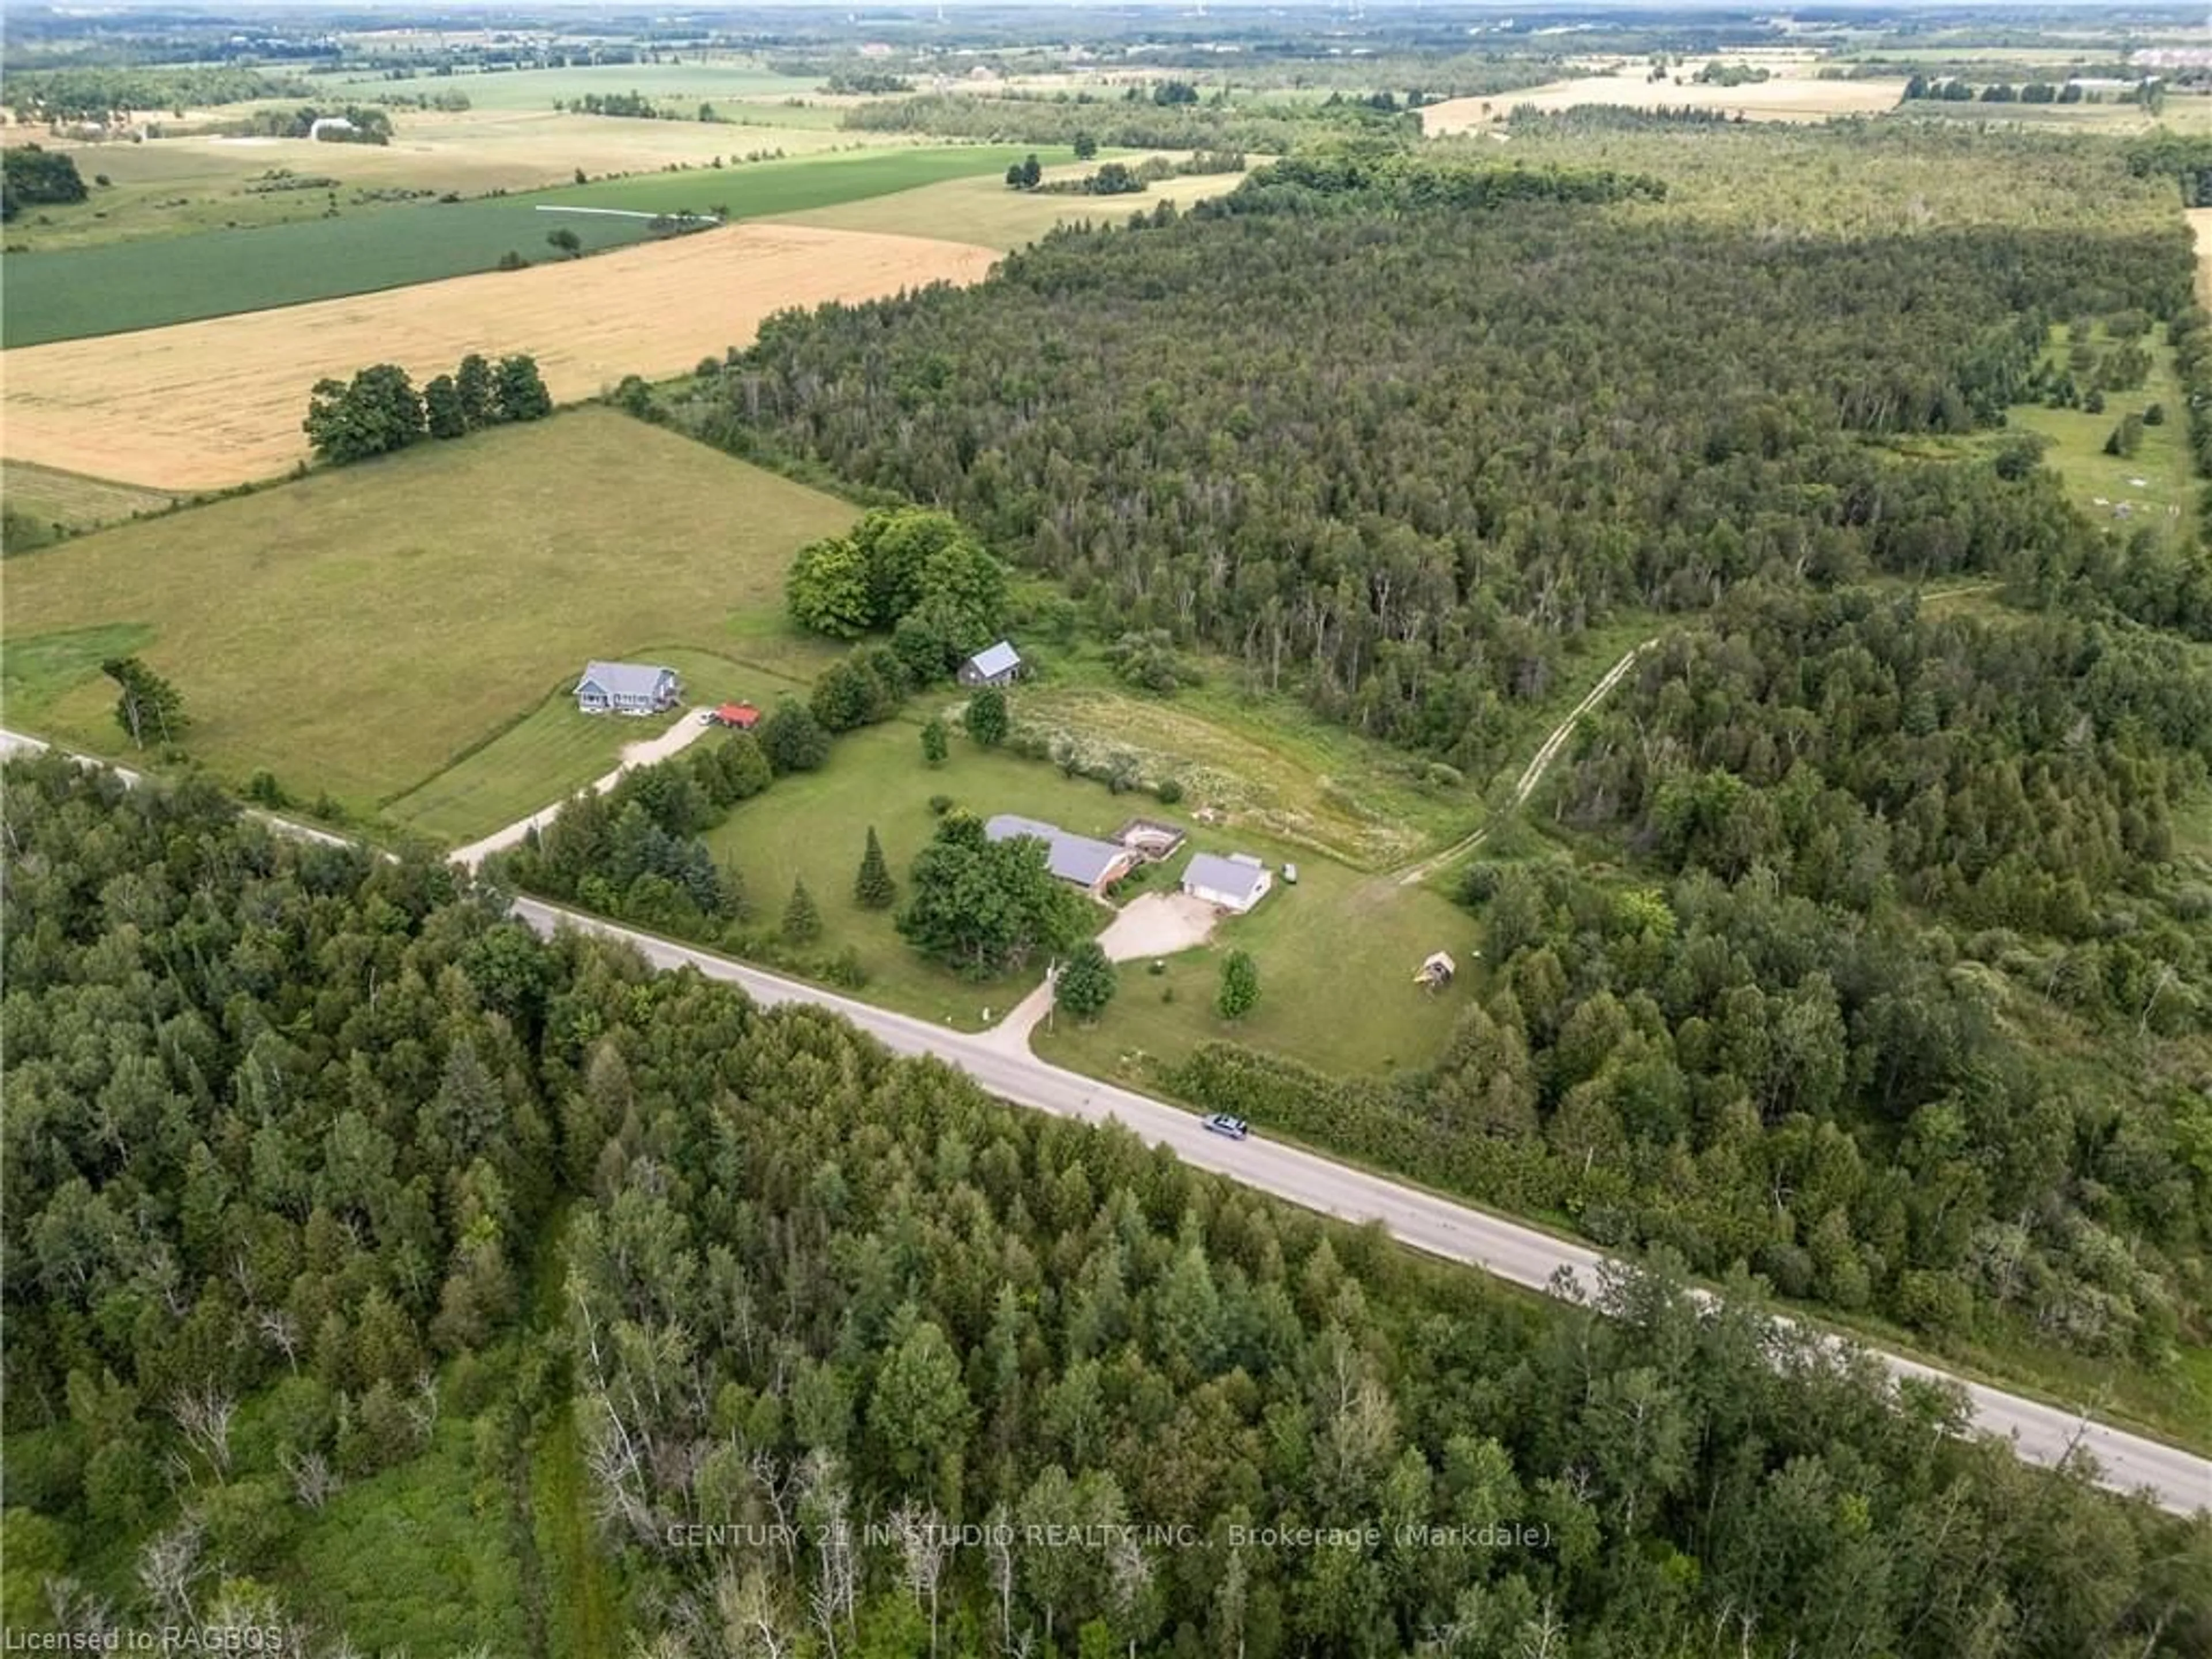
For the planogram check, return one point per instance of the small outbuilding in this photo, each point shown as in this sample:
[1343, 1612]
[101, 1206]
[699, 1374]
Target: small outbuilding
[628, 688]
[738, 716]
[1437, 972]
[1236, 882]
[997, 664]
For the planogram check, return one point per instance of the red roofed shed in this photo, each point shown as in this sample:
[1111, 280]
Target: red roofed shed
[742, 715]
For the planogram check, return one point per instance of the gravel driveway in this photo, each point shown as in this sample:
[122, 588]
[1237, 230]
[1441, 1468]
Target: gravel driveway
[1158, 924]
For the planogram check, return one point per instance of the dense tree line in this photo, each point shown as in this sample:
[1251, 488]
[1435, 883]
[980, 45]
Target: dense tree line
[1131, 122]
[32, 176]
[2188, 161]
[106, 94]
[284, 1124]
[379, 410]
[1393, 453]
[365, 124]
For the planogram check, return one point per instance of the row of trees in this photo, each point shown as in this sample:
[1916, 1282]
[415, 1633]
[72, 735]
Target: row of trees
[379, 410]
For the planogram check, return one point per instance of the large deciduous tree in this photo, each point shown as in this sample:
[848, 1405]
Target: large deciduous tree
[379, 410]
[984, 906]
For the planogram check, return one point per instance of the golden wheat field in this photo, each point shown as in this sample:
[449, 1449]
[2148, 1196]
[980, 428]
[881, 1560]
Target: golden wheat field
[209, 404]
[2200, 223]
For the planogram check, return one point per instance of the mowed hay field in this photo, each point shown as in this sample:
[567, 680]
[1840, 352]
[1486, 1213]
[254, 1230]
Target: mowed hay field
[2200, 225]
[358, 631]
[1793, 93]
[205, 405]
[984, 210]
[72, 500]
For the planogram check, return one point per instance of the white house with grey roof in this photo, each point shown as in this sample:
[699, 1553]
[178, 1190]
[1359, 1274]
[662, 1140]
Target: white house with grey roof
[1236, 882]
[628, 688]
[996, 664]
[1091, 863]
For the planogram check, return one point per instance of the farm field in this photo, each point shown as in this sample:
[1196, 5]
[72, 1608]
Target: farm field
[358, 631]
[511, 89]
[1787, 97]
[72, 501]
[2200, 226]
[555, 749]
[1337, 954]
[176, 187]
[117, 288]
[982, 209]
[207, 404]
[2101, 484]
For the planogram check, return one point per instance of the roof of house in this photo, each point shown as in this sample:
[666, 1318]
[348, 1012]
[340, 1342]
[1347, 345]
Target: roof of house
[1078, 858]
[996, 660]
[625, 679]
[1243, 877]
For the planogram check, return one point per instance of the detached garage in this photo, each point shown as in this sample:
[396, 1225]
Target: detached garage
[1236, 882]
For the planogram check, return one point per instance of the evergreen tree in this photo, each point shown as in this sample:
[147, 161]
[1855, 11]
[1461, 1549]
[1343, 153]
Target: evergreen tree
[874, 889]
[986, 720]
[934, 746]
[1240, 986]
[1086, 982]
[802, 922]
[149, 705]
[792, 739]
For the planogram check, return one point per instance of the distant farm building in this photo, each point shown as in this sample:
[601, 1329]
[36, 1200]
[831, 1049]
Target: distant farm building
[331, 124]
[739, 716]
[627, 688]
[1437, 972]
[1236, 882]
[1091, 863]
[996, 666]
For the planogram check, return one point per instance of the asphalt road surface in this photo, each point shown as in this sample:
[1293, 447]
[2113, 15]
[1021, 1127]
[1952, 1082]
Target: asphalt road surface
[2177, 1480]
[2044, 1434]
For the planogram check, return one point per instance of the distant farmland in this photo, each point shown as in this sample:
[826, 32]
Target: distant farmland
[120, 288]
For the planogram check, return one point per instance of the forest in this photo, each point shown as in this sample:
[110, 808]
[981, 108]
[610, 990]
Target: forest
[1259, 435]
[314, 1153]
[1858, 944]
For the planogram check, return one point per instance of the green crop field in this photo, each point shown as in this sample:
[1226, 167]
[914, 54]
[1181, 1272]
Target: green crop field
[358, 630]
[116, 288]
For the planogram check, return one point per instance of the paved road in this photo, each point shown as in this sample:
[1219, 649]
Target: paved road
[2177, 1480]
[2042, 1434]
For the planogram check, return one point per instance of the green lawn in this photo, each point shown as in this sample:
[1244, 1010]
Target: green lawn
[363, 630]
[1336, 954]
[2162, 462]
[814, 826]
[116, 287]
[554, 749]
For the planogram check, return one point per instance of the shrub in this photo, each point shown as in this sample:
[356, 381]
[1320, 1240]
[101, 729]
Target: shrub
[1168, 791]
[939, 806]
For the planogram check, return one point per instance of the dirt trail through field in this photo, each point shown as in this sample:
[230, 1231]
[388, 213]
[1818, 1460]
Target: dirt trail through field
[1534, 773]
[209, 404]
[2200, 224]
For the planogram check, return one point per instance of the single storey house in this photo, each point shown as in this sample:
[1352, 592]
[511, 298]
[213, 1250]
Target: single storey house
[738, 716]
[1091, 863]
[1236, 882]
[996, 666]
[627, 688]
